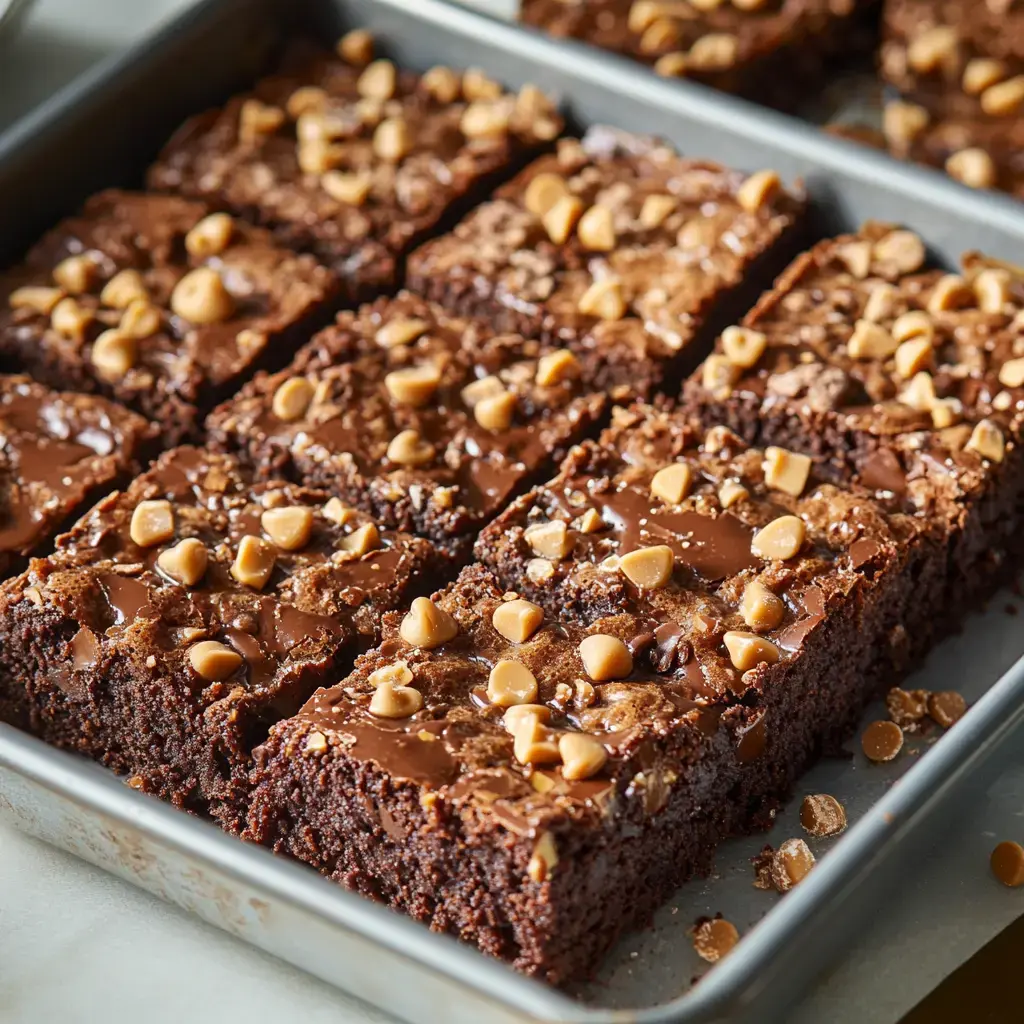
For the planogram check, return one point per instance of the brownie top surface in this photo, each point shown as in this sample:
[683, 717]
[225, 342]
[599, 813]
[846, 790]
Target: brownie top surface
[940, 33]
[55, 448]
[151, 293]
[194, 551]
[403, 398]
[348, 153]
[614, 237]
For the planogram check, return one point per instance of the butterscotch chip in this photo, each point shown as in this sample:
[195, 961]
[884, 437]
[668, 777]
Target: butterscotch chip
[760, 608]
[672, 483]
[934, 48]
[362, 540]
[648, 568]
[213, 661]
[880, 303]
[185, 562]
[714, 939]
[870, 341]
[289, 527]
[254, 562]
[1004, 98]
[532, 743]
[973, 167]
[555, 367]
[718, 374]
[604, 299]
[903, 250]
[152, 523]
[605, 657]
[791, 864]
[903, 122]
[397, 673]
[582, 755]
[672, 65]
[201, 298]
[732, 492]
[760, 189]
[319, 157]
[517, 620]
[561, 217]
[442, 83]
[987, 440]
[1011, 373]
[748, 650]
[140, 320]
[210, 236]
[596, 229]
[496, 412]
[124, 288]
[71, 319]
[413, 385]
[549, 540]
[511, 682]
[882, 741]
[543, 192]
[478, 390]
[913, 356]
[257, 120]
[427, 626]
[392, 139]
[786, 471]
[38, 299]
[536, 113]
[822, 815]
[951, 291]
[400, 332]
[781, 539]
[980, 73]
[906, 707]
[1007, 862]
[356, 47]
[378, 81]
[715, 52]
[916, 323]
[485, 119]
[352, 188]
[407, 448]
[919, 394]
[946, 708]
[516, 715]
[113, 353]
[992, 290]
[589, 522]
[76, 274]
[292, 399]
[390, 701]
[856, 257]
[742, 346]
[656, 209]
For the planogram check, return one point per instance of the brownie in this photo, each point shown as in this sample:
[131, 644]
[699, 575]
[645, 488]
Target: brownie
[356, 161]
[772, 52]
[150, 301]
[615, 237]
[180, 618]
[58, 451]
[535, 762]
[430, 422]
[893, 375]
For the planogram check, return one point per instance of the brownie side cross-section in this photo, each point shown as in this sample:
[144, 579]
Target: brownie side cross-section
[180, 618]
[615, 238]
[356, 161]
[152, 301]
[428, 421]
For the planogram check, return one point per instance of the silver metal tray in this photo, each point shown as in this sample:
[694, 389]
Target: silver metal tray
[113, 122]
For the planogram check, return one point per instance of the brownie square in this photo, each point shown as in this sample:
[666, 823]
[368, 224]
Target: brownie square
[430, 422]
[152, 302]
[354, 161]
[903, 379]
[615, 238]
[179, 619]
[58, 451]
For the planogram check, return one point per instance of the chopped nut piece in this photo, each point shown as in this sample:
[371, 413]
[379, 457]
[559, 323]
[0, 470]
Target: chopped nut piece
[256, 120]
[590, 522]
[319, 157]
[672, 65]
[289, 527]
[427, 626]
[919, 394]
[442, 83]
[390, 701]
[658, 35]
[822, 815]
[656, 209]
[648, 568]
[407, 448]
[544, 859]
[987, 440]
[362, 540]
[791, 864]
[511, 682]
[748, 650]
[478, 390]
[950, 292]
[760, 189]
[140, 320]
[543, 192]
[378, 81]
[1007, 862]
[124, 288]
[856, 257]
[916, 323]
[476, 85]
[902, 249]
[603, 299]
[516, 715]
[71, 319]
[1011, 373]
[113, 353]
[786, 471]
[992, 290]
[307, 99]
[973, 167]
[556, 367]
[392, 140]
[672, 483]
[882, 741]
[201, 298]
[718, 375]
[946, 412]
[980, 73]
[1004, 98]
[903, 122]
[716, 51]
[870, 341]
[731, 492]
[213, 661]
[605, 657]
[596, 229]
[879, 306]
[352, 188]
[76, 274]
[946, 708]
[496, 412]
[254, 562]
[316, 743]
[413, 385]
[400, 332]
[743, 347]
[913, 356]
[582, 755]
[337, 512]
[517, 620]
[561, 217]
[356, 47]
[532, 743]
[39, 300]
[152, 523]
[643, 13]
[185, 562]
[549, 540]
[781, 539]
[760, 608]
[933, 49]
[292, 399]
[484, 118]
[714, 939]
[539, 570]
[210, 236]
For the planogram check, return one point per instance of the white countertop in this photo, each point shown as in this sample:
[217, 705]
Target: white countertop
[77, 945]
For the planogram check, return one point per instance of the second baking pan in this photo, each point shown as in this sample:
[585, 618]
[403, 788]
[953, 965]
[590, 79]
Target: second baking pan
[113, 125]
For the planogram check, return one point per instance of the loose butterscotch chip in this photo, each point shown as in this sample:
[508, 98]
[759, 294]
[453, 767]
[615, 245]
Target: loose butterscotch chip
[544, 859]
[980, 73]
[880, 303]
[289, 527]
[1011, 373]
[356, 47]
[555, 367]
[596, 229]
[742, 346]
[496, 412]
[915, 324]
[903, 250]
[605, 657]
[408, 448]
[442, 83]
[933, 48]
[870, 341]
[748, 650]
[760, 189]
[1004, 98]
[786, 471]
[913, 356]
[714, 939]
[992, 289]
[791, 864]
[907, 707]
[919, 394]
[781, 539]
[516, 715]
[543, 192]
[413, 385]
[362, 540]
[946, 708]
[716, 51]
[511, 682]
[549, 540]
[140, 320]
[124, 288]
[201, 298]
[210, 236]
[254, 562]
[987, 440]
[390, 701]
[427, 626]
[38, 299]
[973, 167]
[400, 332]
[951, 291]
[761, 609]
[392, 139]
[672, 65]
[213, 661]
[603, 299]
[113, 353]
[532, 743]
[1007, 862]
[561, 217]
[517, 620]
[71, 319]
[582, 755]
[378, 81]
[672, 483]
[152, 523]
[882, 741]
[648, 568]
[185, 562]
[76, 274]
[292, 399]
[822, 815]
[903, 122]
[352, 188]
[718, 374]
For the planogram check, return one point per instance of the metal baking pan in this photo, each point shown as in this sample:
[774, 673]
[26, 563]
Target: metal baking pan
[103, 131]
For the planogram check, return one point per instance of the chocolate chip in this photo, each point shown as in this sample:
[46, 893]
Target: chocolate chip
[946, 707]
[882, 741]
[1007, 863]
[791, 864]
[713, 939]
[822, 815]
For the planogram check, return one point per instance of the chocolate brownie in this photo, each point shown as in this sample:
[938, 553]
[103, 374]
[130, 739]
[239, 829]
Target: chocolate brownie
[354, 159]
[536, 763]
[614, 238]
[904, 379]
[179, 619]
[150, 300]
[428, 421]
[57, 452]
